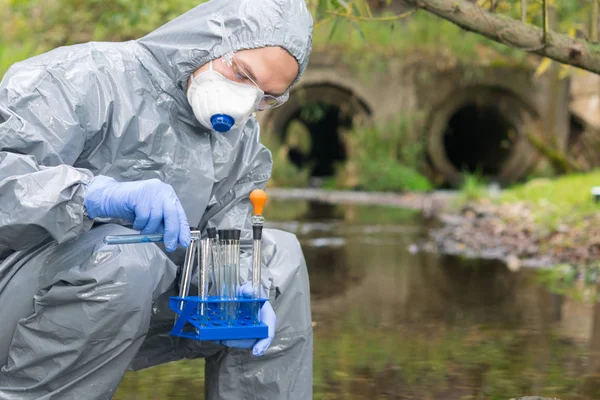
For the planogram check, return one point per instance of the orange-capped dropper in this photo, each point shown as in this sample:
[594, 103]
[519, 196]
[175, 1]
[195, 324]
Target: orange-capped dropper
[258, 198]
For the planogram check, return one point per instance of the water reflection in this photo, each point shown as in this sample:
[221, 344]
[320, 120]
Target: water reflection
[394, 325]
[391, 324]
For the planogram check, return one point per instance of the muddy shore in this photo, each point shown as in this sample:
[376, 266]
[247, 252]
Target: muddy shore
[505, 232]
[508, 232]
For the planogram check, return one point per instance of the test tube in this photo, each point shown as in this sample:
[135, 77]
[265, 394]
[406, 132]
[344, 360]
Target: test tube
[213, 270]
[235, 240]
[227, 254]
[217, 256]
[204, 261]
[187, 272]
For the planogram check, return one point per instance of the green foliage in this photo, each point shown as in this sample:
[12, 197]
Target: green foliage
[31, 27]
[385, 157]
[423, 33]
[389, 176]
[472, 188]
[564, 199]
[572, 14]
[387, 34]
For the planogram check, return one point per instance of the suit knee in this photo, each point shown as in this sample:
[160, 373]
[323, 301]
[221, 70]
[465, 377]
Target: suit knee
[125, 277]
[136, 273]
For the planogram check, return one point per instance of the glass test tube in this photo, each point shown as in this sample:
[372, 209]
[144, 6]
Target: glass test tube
[257, 224]
[187, 270]
[213, 269]
[227, 255]
[235, 239]
[204, 261]
[186, 273]
[219, 270]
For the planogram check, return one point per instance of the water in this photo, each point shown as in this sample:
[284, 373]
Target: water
[391, 323]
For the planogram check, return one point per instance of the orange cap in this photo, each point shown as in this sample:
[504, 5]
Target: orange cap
[258, 198]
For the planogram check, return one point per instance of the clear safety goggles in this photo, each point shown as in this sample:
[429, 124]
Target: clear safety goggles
[268, 101]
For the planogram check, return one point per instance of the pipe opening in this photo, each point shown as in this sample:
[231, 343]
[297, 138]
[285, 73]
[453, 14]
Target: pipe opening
[479, 139]
[313, 137]
[311, 125]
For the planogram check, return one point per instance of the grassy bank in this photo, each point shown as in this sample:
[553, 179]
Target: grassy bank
[553, 202]
[555, 220]
[563, 200]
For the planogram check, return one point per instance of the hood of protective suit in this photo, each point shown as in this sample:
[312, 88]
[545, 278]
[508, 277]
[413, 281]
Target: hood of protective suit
[217, 27]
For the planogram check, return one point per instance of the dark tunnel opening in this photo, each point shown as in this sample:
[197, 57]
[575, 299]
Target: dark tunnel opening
[313, 136]
[479, 139]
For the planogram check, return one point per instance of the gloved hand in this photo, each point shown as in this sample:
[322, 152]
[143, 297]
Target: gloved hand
[151, 205]
[267, 316]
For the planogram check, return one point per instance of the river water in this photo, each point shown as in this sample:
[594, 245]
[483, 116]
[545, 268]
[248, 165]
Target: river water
[394, 323]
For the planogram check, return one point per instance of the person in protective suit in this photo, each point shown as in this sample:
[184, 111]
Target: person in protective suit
[150, 135]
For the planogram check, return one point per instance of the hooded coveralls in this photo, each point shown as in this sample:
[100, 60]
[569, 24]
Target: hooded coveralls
[75, 313]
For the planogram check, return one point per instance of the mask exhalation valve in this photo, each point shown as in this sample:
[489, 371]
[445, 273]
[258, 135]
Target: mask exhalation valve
[222, 122]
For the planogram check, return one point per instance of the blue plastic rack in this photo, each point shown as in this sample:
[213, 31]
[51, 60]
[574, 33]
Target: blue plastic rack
[214, 325]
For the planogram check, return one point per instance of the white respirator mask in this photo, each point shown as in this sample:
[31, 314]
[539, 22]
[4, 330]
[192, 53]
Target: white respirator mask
[221, 104]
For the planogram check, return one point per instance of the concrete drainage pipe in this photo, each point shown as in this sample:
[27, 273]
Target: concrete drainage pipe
[482, 129]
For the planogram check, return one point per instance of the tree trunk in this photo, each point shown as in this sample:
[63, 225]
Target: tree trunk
[514, 33]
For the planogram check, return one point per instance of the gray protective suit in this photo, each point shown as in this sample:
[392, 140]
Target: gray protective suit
[75, 313]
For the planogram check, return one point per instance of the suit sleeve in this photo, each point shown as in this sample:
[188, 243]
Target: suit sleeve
[42, 134]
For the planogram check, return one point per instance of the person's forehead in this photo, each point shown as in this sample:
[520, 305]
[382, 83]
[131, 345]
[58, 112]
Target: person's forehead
[269, 57]
[269, 64]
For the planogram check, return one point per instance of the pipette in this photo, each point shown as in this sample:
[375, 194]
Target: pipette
[142, 238]
[258, 198]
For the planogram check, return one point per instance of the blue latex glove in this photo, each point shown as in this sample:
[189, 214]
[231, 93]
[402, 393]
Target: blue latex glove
[151, 205]
[267, 316]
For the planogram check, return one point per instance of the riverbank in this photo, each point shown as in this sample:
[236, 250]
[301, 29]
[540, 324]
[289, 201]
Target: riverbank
[541, 223]
[510, 232]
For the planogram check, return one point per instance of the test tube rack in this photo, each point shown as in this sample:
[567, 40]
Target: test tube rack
[213, 324]
[221, 317]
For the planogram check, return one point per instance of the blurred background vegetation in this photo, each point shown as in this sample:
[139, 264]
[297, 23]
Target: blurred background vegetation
[31, 27]
[368, 33]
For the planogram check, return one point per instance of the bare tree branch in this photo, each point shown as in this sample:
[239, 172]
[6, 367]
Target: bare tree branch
[524, 11]
[514, 33]
[361, 18]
